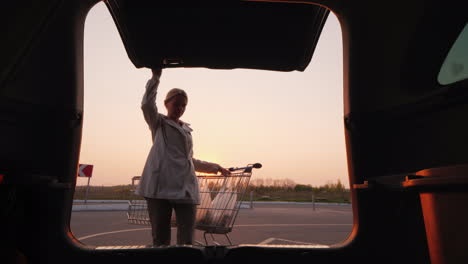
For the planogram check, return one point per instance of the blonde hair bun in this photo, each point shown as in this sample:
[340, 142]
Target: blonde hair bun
[174, 92]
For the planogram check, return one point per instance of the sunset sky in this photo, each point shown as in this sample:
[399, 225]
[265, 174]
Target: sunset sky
[291, 122]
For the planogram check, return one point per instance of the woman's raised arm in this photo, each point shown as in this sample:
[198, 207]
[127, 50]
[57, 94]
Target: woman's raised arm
[148, 104]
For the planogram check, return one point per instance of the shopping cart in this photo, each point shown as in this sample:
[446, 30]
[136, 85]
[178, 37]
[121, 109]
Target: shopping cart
[220, 201]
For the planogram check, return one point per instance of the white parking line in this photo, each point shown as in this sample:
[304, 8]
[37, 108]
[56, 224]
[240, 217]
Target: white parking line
[296, 242]
[251, 225]
[260, 225]
[113, 232]
[267, 241]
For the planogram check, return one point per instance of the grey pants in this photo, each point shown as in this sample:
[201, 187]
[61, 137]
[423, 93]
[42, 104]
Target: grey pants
[160, 213]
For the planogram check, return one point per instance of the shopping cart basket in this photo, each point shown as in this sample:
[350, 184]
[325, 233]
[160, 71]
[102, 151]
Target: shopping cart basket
[220, 201]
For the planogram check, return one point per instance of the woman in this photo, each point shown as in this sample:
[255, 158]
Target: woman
[168, 180]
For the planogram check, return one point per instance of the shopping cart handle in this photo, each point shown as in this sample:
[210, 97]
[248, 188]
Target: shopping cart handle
[250, 166]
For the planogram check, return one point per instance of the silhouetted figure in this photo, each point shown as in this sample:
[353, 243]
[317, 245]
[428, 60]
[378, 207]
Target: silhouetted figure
[168, 180]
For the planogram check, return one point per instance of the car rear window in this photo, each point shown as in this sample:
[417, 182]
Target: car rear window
[455, 66]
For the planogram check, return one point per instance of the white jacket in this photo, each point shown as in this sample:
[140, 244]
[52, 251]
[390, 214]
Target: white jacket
[169, 171]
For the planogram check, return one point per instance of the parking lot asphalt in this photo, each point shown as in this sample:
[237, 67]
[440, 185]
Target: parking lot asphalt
[265, 224]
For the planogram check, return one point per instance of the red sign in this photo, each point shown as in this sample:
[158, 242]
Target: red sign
[85, 170]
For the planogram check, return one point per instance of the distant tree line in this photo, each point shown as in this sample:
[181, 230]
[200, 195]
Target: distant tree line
[263, 189]
[290, 185]
[288, 190]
